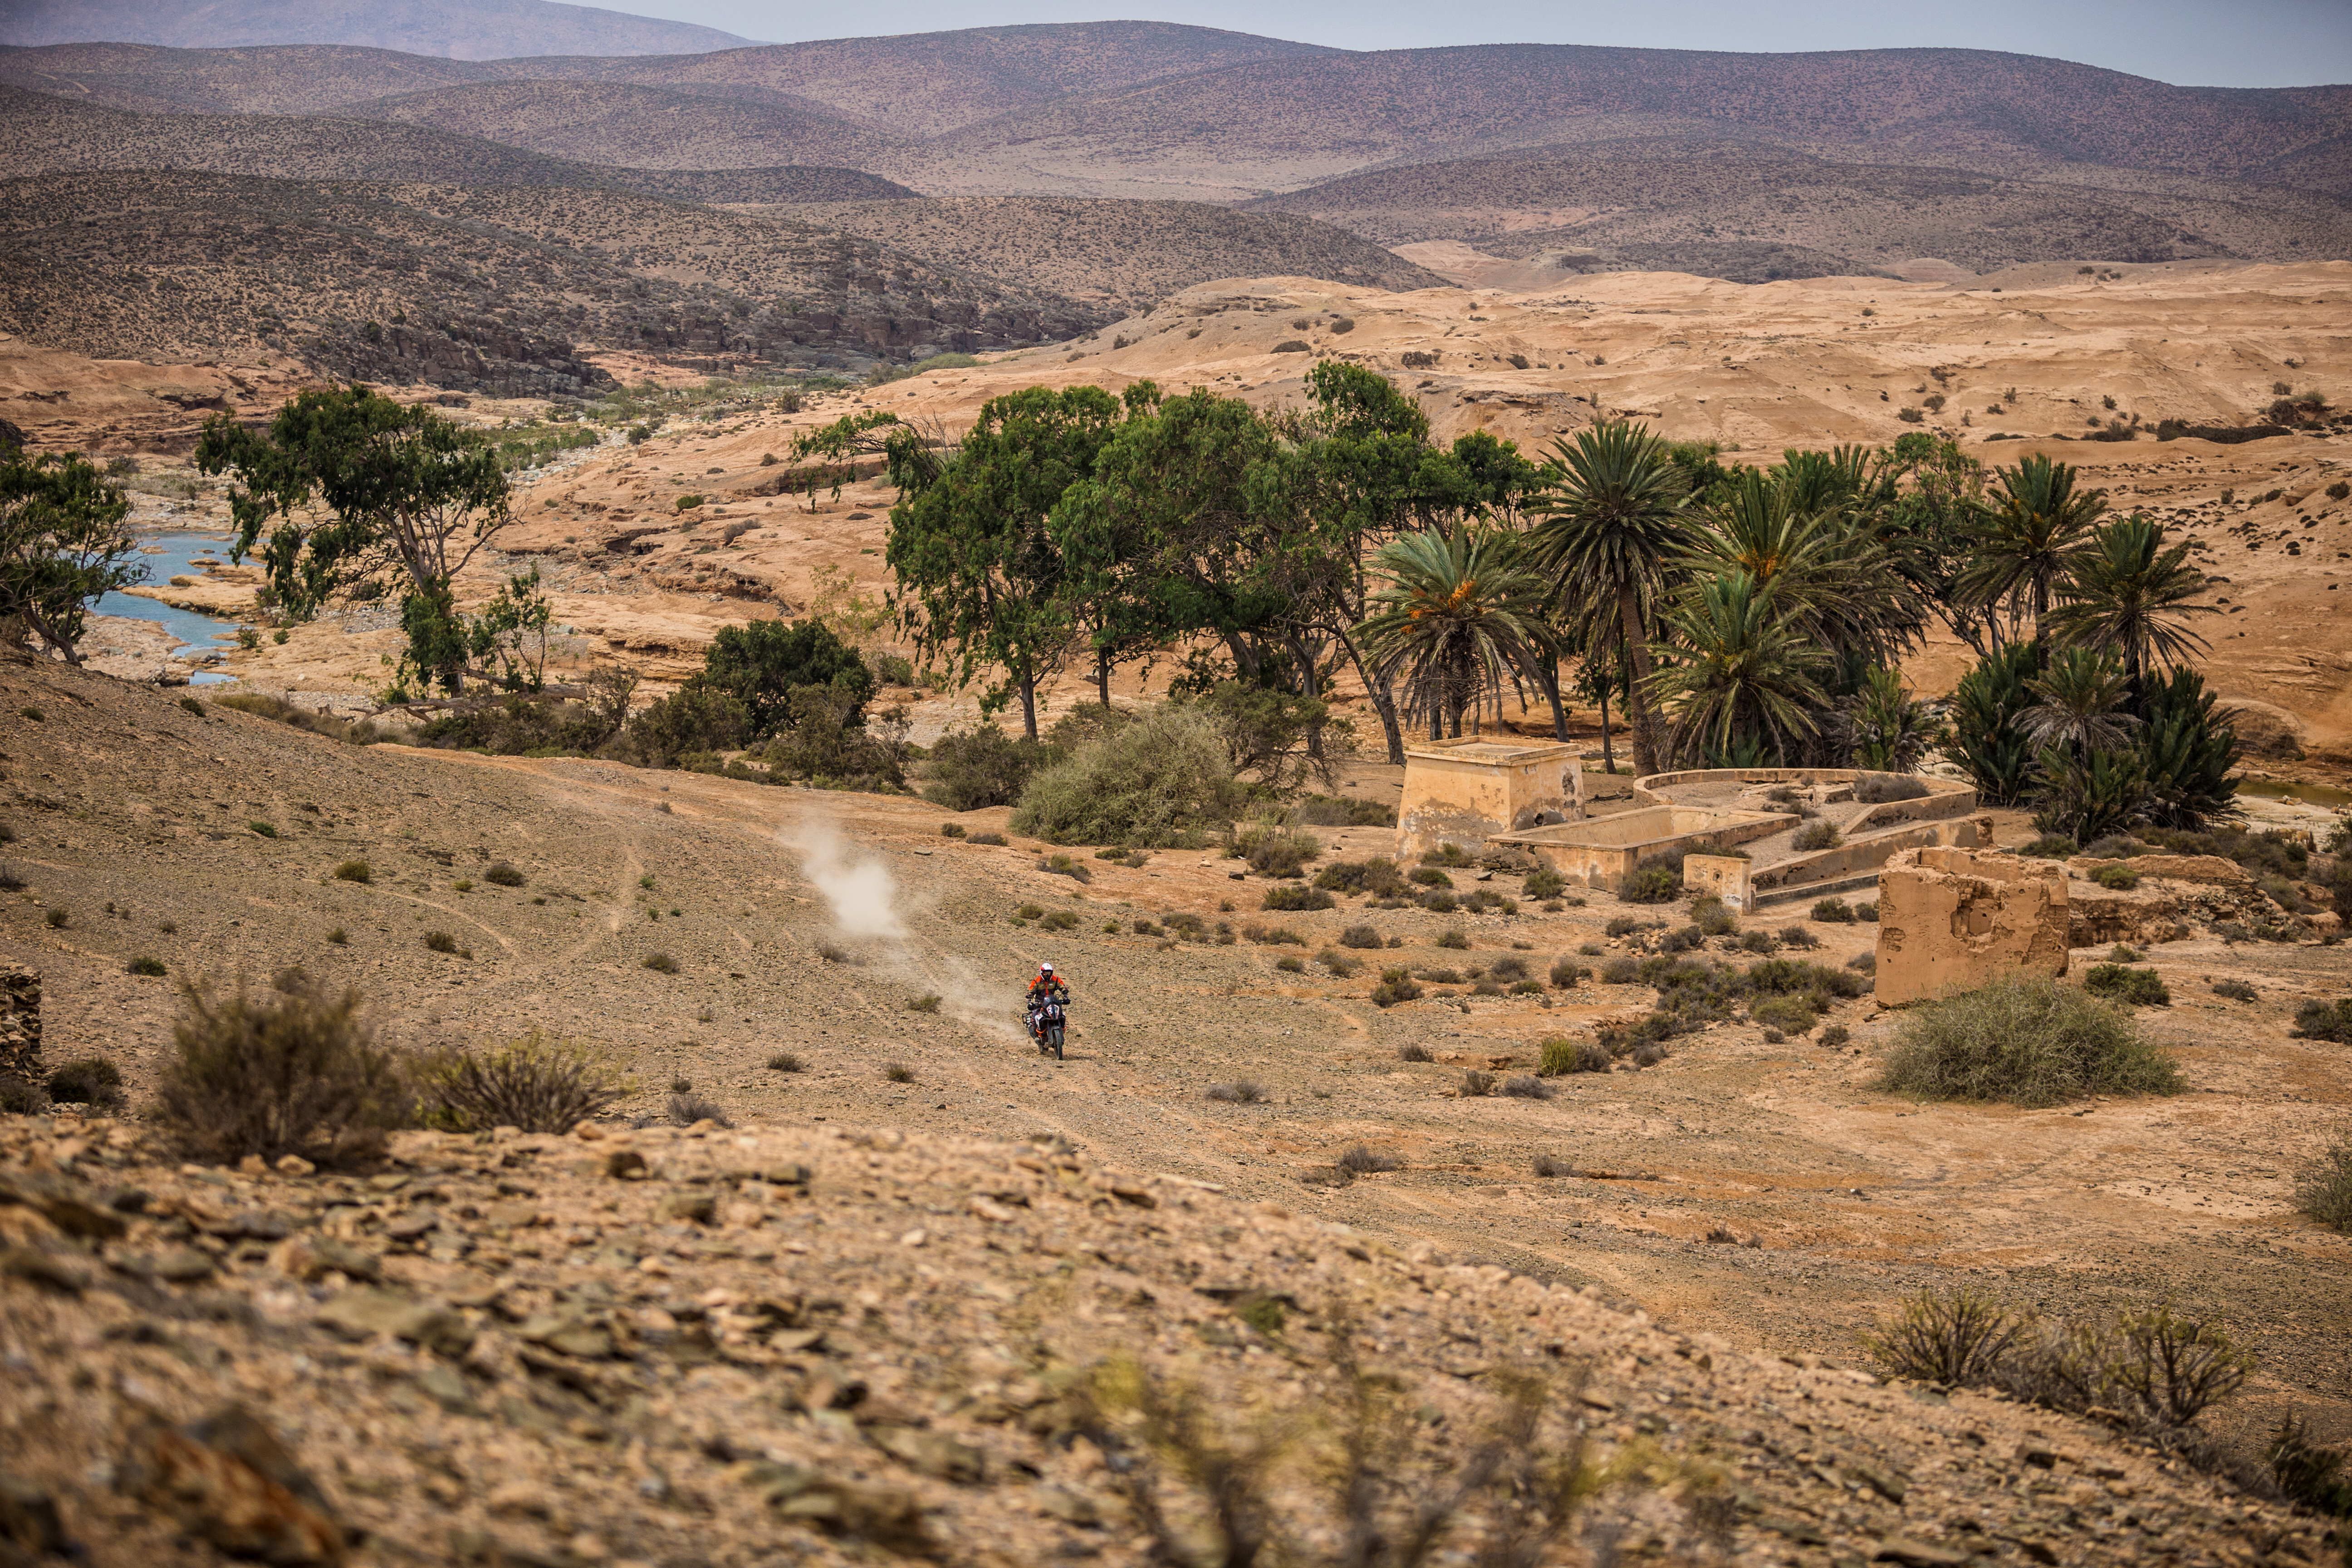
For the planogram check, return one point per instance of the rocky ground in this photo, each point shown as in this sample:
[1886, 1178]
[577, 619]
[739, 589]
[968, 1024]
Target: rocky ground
[1762, 1191]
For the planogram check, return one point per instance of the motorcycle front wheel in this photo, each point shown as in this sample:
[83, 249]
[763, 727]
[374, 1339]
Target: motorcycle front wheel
[1055, 1038]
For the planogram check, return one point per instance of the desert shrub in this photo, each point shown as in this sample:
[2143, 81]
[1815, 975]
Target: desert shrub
[278, 1073]
[1757, 942]
[440, 941]
[971, 769]
[785, 1062]
[1837, 1035]
[1396, 985]
[2174, 1367]
[1566, 973]
[1414, 1051]
[1620, 925]
[1683, 939]
[1447, 853]
[1797, 937]
[1476, 1085]
[265, 705]
[1338, 963]
[1066, 866]
[2235, 990]
[2049, 846]
[1545, 883]
[1507, 968]
[1621, 972]
[2027, 1040]
[355, 871]
[994, 838]
[1957, 1337]
[1438, 902]
[685, 1108]
[2122, 878]
[1163, 780]
[57, 918]
[1833, 911]
[2121, 983]
[1713, 917]
[951, 830]
[694, 717]
[1429, 877]
[1439, 976]
[1296, 898]
[2329, 1021]
[1273, 851]
[898, 1072]
[929, 1002]
[504, 874]
[1272, 936]
[660, 963]
[1815, 834]
[2306, 1473]
[1240, 1092]
[1866, 911]
[1561, 1055]
[1378, 877]
[1451, 937]
[1526, 1086]
[2324, 1189]
[1340, 811]
[1864, 964]
[1656, 883]
[1360, 1160]
[1789, 1014]
[87, 1080]
[536, 1083]
[1649, 1054]
[1878, 789]
[1290, 965]
[145, 966]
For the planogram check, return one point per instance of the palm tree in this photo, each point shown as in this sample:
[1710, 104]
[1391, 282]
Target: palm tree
[1458, 613]
[2081, 710]
[1612, 521]
[2026, 537]
[1809, 541]
[1739, 673]
[2125, 592]
[1888, 731]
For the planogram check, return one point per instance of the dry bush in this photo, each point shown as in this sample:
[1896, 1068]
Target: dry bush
[1396, 985]
[1293, 898]
[785, 1062]
[1360, 937]
[1567, 972]
[1959, 1337]
[1550, 1165]
[2121, 983]
[1338, 963]
[686, 1108]
[2027, 1040]
[1526, 1086]
[1833, 911]
[899, 1072]
[1360, 1160]
[277, 1075]
[1451, 937]
[2306, 1473]
[1562, 1055]
[87, 1080]
[660, 963]
[355, 871]
[1414, 1051]
[1240, 1091]
[1476, 1085]
[2324, 1189]
[535, 1083]
[504, 873]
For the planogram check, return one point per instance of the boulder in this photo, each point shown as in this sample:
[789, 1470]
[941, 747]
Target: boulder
[1952, 918]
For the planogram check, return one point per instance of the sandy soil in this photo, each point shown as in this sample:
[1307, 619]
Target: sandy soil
[137, 819]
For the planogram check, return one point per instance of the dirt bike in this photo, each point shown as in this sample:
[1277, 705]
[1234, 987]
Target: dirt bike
[1047, 1020]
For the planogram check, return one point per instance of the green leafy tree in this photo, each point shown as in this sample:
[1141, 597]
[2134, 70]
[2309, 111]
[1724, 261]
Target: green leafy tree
[1610, 526]
[62, 544]
[2128, 593]
[1459, 613]
[1989, 736]
[760, 664]
[2026, 538]
[1736, 675]
[982, 578]
[348, 487]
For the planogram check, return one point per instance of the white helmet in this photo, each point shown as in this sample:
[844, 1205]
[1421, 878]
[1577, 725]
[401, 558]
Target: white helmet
[1044, 969]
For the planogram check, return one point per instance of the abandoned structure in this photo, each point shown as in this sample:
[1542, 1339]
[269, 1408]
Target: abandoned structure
[1951, 918]
[1469, 790]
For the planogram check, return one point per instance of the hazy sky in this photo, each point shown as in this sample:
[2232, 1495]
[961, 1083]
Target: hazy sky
[2212, 43]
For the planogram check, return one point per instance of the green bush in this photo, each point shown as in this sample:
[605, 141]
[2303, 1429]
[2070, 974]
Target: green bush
[969, 770]
[1833, 911]
[149, 968]
[1815, 834]
[2329, 1021]
[291, 1073]
[1273, 851]
[1360, 937]
[1656, 883]
[660, 963]
[1297, 898]
[2324, 1190]
[1396, 985]
[694, 717]
[1789, 1014]
[1161, 780]
[2049, 846]
[1566, 973]
[1561, 1056]
[1453, 937]
[2235, 990]
[504, 874]
[1340, 811]
[1438, 902]
[2027, 1040]
[1713, 917]
[2304, 1472]
[1338, 963]
[1429, 877]
[2121, 983]
[2122, 878]
[1546, 883]
[1378, 876]
[1066, 866]
[536, 1083]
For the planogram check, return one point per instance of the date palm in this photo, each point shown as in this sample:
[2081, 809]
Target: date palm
[2127, 592]
[1737, 672]
[2026, 536]
[1611, 523]
[1459, 614]
[2081, 708]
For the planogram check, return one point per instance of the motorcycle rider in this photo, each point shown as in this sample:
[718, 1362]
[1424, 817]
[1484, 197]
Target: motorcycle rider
[1046, 987]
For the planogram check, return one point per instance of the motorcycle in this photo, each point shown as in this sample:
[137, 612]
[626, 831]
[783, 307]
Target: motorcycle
[1047, 1022]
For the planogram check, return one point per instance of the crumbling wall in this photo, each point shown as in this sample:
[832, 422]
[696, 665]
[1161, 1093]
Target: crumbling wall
[1951, 918]
[20, 1024]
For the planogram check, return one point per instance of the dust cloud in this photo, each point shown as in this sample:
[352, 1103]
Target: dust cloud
[861, 890]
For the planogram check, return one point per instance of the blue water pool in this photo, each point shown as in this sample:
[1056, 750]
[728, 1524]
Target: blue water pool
[195, 629]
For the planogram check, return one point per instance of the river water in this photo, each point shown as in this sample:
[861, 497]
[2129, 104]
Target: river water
[196, 630]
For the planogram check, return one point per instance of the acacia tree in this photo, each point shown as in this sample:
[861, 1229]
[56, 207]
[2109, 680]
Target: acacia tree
[980, 577]
[348, 488]
[62, 544]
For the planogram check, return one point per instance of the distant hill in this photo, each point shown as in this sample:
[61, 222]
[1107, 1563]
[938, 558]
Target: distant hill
[497, 290]
[1130, 254]
[644, 127]
[460, 29]
[1755, 213]
[1273, 125]
[42, 135]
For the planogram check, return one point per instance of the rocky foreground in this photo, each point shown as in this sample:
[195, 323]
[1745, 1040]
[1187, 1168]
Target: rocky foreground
[814, 1344]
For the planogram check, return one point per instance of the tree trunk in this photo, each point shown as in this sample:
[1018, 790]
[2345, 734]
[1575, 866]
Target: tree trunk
[1548, 677]
[1384, 700]
[1608, 748]
[1028, 702]
[1102, 675]
[1638, 717]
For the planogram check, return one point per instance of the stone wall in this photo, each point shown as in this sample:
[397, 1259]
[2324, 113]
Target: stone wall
[1951, 918]
[20, 1023]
